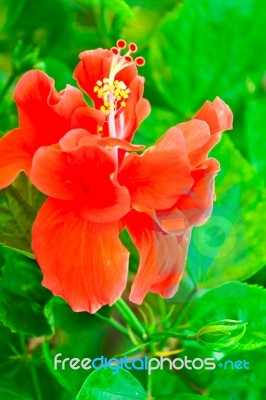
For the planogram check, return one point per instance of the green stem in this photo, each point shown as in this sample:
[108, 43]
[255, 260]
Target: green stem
[149, 387]
[171, 334]
[115, 324]
[162, 307]
[36, 383]
[130, 318]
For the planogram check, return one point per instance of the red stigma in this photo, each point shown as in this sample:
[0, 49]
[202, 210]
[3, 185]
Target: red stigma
[129, 58]
[115, 50]
[121, 44]
[140, 61]
[133, 47]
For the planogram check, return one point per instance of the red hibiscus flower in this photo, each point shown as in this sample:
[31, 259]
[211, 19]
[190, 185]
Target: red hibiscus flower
[98, 184]
[81, 222]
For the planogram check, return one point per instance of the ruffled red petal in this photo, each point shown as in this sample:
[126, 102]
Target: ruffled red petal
[94, 65]
[160, 175]
[162, 257]
[204, 131]
[195, 207]
[44, 115]
[82, 172]
[198, 203]
[217, 114]
[14, 157]
[83, 262]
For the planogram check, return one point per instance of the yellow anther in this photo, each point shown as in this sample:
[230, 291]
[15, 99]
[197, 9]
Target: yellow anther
[100, 93]
[113, 95]
[100, 128]
[123, 94]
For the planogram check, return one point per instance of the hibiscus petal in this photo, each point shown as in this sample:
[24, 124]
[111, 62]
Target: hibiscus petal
[88, 118]
[44, 115]
[136, 110]
[195, 207]
[94, 65]
[122, 144]
[162, 257]
[13, 157]
[81, 137]
[84, 174]
[204, 131]
[196, 134]
[51, 174]
[217, 114]
[156, 178]
[198, 203]
[83, 262]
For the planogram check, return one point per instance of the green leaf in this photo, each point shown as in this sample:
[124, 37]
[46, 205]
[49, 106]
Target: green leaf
[38, 23]
[28, 192]
[227, 381]
[104, 384]
[76, 335]
[22, 298]
[255, 131]
[162, 391]
[113, 16]
[233, 301]
[17, 218]
[59, 71]
[231, 244]
[200, 51]
[118, 7]
[147, 16]
[183, 396]
[23, 374]
[9, 393]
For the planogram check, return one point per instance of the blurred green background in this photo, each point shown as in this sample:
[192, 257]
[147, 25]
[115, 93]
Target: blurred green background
[195, 50]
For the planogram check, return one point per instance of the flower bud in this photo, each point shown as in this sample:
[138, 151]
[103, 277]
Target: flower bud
[222, 335]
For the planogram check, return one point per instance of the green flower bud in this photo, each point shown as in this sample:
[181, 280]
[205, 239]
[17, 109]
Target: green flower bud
[222, 335]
